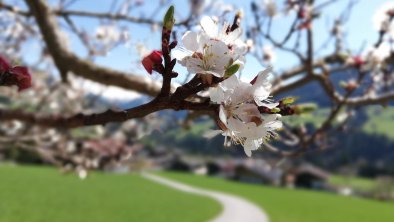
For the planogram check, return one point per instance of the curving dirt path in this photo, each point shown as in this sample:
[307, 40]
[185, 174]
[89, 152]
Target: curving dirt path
[235, 209]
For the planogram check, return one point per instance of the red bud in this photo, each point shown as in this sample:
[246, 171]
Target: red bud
[151, 60]
[21, 76]
[17, 75]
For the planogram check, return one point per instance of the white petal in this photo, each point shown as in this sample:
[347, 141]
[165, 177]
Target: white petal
[262, 86]
[189, 40]
[262, 77]
[216, 95]
[265, 104]
[209, 26]
[222, 115]
[271, 121]
[180, 54]
[230, 83]
[271, 117]
[250, 145]
[261, 93]
[212, 133]
[218, 47]
[234, 35]
[248, 152]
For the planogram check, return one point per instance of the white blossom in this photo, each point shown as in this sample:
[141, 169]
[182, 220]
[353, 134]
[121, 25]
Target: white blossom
[381, 18]
[211, 51]
[239, 111]
[107, 34]
[270, 7]
[231, 39]
[204, 56]
[269, 54]
[375, 57]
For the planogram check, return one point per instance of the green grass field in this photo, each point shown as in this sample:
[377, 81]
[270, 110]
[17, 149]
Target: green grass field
[283, 205]
[42, 194]
[32, 194]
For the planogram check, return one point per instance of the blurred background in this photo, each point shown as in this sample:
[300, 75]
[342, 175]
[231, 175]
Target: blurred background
[95, 173]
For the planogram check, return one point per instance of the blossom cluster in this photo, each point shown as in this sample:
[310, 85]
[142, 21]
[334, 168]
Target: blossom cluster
[212, 51]
[218, 52]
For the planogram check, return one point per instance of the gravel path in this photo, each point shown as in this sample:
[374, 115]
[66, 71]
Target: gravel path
[235, 209]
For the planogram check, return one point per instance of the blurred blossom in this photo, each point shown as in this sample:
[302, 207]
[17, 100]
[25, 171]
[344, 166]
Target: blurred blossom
[292, 5]
[53, 136]
[11, 128]
[221, 6]
[214, 7]
[107, 34]
[99, 130]
[154, 27]
[250, 44]
[375, 57]
[269, 54]
[71, 147]
[197, 6]
[381, 18]
[82, 173]
[142, 50]
[337, 30]
[12, 27]
[342, 117]
[270, 8]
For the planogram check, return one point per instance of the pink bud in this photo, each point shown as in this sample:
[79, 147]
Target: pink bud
[150, 61]
[21, 76]
[17, 75]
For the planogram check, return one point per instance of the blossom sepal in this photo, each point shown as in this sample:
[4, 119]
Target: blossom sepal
[231, 70]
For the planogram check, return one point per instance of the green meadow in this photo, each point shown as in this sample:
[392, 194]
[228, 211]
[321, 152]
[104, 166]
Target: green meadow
[286, 205]
[38, 194]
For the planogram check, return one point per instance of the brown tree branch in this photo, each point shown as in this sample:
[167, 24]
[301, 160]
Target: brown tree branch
[81, 119]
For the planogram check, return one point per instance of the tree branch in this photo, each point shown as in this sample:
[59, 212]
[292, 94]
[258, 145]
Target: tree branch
[81, 119]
